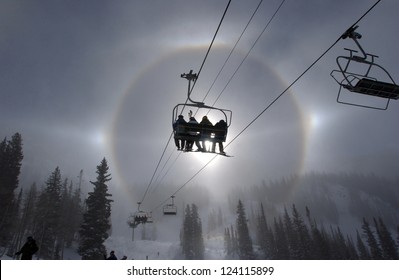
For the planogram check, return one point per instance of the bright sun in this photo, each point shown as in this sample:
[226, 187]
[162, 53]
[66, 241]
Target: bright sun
[204, 158]
[315, 120]
[98, 138]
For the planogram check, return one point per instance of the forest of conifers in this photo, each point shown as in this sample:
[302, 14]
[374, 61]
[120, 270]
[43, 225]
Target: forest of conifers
[266, 221]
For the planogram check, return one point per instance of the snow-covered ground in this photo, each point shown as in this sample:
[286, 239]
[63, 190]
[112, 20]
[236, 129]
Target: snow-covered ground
[161, 250]
[148, 249]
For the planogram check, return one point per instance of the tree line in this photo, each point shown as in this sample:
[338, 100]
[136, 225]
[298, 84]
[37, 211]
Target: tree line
[56, 215]
[291, 237]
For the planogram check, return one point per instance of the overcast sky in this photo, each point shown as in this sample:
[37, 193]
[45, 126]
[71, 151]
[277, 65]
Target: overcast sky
[83, 80]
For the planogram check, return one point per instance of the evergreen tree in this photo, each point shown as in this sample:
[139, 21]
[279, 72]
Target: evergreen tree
[227, 242]
[65, 205]
[375, 250]
[292, 241]
[340, 251]
[10, 165]
[302, 235]
[96, 219]
[262, 234]
[16, 213]
[26, 224]
[186, 238]
[198, 240]
[320, 245]
[388, 246]
[245, 249]
[282, 247]
[234, 241]
[271, 244]
[192, 240]
[364, 253]
[48, 213]
[351, 249]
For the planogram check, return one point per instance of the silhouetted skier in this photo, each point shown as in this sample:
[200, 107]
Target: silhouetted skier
[29, 248]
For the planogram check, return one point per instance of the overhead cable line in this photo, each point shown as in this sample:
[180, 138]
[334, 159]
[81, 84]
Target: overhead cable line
[190, 90]
[232, 50]
[228, 58]
[167, 171]
[246, 56]
[273, 102]
[264, 29]
[207, 53]
[245, 28]
[300, 76]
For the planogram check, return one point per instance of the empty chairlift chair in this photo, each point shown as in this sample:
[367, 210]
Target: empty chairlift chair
[170, 209]
[363, 83]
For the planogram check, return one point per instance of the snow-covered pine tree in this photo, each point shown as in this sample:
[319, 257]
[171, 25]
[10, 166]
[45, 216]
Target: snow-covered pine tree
[245, 249]
[96, 219]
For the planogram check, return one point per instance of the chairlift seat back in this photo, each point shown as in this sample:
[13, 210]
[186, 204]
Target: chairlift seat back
[170, 210]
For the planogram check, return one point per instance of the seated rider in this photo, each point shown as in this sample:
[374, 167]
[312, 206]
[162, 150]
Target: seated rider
[179, 131]
[189, 143]
[220, 132]
[206, 133]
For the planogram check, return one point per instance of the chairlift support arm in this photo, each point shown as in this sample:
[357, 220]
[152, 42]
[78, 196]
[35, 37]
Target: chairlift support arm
[191, 77]
[350, 33]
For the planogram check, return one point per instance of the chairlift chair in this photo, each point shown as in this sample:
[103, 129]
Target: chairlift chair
[170, 209]
[193, 132]
[363, 83]
[150, 220]
[140, 217]
[199, 132]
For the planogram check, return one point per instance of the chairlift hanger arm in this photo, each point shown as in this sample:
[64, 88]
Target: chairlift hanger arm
[350, 33]
[191, 77]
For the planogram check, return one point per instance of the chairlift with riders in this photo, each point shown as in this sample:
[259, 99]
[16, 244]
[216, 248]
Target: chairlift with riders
[195, 132]
[139, 217]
